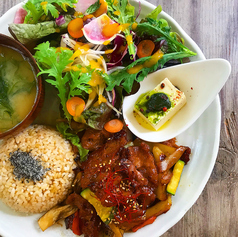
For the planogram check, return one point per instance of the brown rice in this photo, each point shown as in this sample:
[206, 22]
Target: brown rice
[54, 152]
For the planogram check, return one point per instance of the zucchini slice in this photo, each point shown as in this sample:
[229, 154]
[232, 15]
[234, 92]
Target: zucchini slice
[105, 213]
[177, 171]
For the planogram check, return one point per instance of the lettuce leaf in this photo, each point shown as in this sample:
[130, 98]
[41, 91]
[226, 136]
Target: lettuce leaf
[94, 7]
[153, 27]
[97, 116]
[52, 63]
[125, 79]
[26, 33]
[154, 14]
[68, 134]
[69, 84]
[37, 10]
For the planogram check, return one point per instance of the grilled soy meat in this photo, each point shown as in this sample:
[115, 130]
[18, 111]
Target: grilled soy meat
[124, 178]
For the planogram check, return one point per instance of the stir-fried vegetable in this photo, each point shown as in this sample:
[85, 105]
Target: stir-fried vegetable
[159, 208]
[147, 222]
[55, 214]
[177, 171]
[76, 224]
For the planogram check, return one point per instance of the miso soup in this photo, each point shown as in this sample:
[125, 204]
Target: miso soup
[17, 88]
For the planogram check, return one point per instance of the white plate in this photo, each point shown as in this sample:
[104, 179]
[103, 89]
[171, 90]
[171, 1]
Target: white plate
[202, 137]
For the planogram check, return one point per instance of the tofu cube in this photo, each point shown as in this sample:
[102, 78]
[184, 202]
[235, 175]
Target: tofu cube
[161, 104]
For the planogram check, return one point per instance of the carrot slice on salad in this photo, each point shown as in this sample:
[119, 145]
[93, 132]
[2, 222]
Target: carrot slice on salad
[113, 126]
[102, 9]
[75, 106]
[145, 48]
[75, 28]
[111, 29]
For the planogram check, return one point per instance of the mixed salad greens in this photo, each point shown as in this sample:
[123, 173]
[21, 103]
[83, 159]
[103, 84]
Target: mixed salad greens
[71, 61]
[79, 68]
[95, 52]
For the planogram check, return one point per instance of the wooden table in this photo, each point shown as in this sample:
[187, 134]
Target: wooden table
[214, 27]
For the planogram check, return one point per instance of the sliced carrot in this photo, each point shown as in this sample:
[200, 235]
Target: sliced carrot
[86, 17]
[75, 106]
[147, 222]
[102, 9]
[111, 29]
[145, 48]
[113, 126]
[75, 28]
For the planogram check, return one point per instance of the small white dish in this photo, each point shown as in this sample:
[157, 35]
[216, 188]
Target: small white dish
[201, 81]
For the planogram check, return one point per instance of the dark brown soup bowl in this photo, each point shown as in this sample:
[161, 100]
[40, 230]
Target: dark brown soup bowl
[39, 99]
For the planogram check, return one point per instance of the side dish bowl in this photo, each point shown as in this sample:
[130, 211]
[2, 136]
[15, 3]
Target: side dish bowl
[22, 56]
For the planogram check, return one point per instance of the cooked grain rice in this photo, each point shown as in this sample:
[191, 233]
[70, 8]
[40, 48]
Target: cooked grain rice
[54, 152]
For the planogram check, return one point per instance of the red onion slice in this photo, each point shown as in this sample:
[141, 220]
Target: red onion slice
[20, 16]
[60, 20]
[113, 97]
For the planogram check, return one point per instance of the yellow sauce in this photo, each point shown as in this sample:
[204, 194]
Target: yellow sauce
[96, 64]
[129, 39]
[115, 2]
[149, 63]
[96, 79]
[106, 42]
[18, 88]
[135, 69]
[125, 26]
[134, 26]
[81, 47]
[77, 14]
[148, 126]
[108, 51]
[117, 13]
[142, 122]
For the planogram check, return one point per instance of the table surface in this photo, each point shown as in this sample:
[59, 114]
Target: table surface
[213, 25]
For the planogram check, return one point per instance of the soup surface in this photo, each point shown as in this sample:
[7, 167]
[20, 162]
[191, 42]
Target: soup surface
[17, 88]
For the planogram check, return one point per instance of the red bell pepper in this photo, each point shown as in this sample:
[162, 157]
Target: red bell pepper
[147, 222]
[76, 224]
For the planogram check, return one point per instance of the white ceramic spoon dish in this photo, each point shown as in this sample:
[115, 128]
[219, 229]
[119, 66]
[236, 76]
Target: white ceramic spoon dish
[200, 81]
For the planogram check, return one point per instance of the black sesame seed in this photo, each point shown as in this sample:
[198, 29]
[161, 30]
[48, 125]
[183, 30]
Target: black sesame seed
[27, 167]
